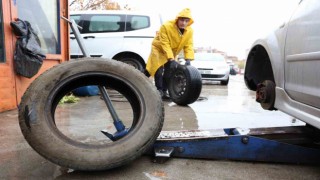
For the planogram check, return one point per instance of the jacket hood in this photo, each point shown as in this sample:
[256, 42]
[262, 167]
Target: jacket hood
[187, 14]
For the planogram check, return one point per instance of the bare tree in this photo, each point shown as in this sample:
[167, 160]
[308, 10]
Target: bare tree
[94, 5]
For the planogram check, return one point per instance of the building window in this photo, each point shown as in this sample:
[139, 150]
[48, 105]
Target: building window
[44, 19]
[2, 57]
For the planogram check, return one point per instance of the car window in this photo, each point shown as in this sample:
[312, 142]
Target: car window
[137, 22]
[209, 57]
[77, 19]
[106, 23]
[1, 37]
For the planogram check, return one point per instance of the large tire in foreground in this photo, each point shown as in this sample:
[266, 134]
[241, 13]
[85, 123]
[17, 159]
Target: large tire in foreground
[185, 85]
[38, 105]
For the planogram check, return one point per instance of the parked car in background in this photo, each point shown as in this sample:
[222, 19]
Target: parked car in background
[212, 66]
[121, 35]
[233, 69]
[284, 67]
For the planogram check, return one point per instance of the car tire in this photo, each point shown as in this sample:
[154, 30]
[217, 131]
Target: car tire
[133, 62]
[185, 85]
[37, 121]
[225, 82]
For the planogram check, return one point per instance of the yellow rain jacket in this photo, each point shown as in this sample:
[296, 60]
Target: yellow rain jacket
[169, 42]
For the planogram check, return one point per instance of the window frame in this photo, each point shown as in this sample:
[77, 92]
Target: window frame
[2, 34]
[58, 45]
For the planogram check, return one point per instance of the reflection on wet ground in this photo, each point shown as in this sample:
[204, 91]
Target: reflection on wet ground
[224, 107]
[219, 107]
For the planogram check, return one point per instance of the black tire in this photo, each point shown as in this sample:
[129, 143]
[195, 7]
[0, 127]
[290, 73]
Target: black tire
[133, 62]
[37, 121]
[185, 85]
[226, 82]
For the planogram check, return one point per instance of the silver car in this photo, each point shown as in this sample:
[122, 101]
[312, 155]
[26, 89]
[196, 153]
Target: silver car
[212, 66]
[284, 67]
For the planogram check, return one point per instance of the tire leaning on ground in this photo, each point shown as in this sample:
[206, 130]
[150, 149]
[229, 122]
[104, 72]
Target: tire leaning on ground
[37, 108]
[185, 85]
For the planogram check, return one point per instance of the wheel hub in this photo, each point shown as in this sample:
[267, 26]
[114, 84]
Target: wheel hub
[180, 83]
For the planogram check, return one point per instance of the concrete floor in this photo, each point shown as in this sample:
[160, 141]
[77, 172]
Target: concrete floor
[220, 107]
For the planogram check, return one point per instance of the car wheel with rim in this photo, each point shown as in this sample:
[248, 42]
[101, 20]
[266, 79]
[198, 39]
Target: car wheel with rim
[185, 85]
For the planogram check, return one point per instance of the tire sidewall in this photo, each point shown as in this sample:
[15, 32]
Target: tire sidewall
[37, 125]
[193, 85]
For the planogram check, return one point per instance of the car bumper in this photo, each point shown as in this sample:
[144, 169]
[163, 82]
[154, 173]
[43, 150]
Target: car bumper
[215, 76]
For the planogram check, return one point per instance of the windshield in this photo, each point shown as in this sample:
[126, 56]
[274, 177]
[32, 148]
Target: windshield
[208, 57]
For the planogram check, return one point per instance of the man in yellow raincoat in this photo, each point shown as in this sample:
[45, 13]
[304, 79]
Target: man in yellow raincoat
[173, 37]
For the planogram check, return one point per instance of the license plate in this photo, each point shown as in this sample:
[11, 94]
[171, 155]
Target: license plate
[205, 72]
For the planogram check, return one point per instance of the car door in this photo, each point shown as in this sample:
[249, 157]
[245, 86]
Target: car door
[103, 34]
[302, 54]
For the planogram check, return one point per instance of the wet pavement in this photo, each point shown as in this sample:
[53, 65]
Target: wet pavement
[225, 107]
[219, 107]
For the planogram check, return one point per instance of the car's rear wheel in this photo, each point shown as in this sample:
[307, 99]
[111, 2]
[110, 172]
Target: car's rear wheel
[133, 62]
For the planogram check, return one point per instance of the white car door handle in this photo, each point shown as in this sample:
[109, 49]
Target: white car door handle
[87, 37]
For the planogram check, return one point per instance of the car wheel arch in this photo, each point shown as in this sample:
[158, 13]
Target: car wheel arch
[130, 55]
[258, 67]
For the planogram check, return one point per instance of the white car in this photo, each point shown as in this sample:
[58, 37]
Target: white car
[284, 67]
[121, 35]
[212, 66]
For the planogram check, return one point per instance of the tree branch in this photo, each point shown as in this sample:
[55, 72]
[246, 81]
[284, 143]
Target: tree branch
[72, 2]
[93, 5]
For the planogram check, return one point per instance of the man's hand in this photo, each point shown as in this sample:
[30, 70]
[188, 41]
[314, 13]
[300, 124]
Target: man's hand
[169, 68]
[187, 63]
[173, 64]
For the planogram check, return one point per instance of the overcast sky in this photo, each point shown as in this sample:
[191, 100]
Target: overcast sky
[228, 25]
